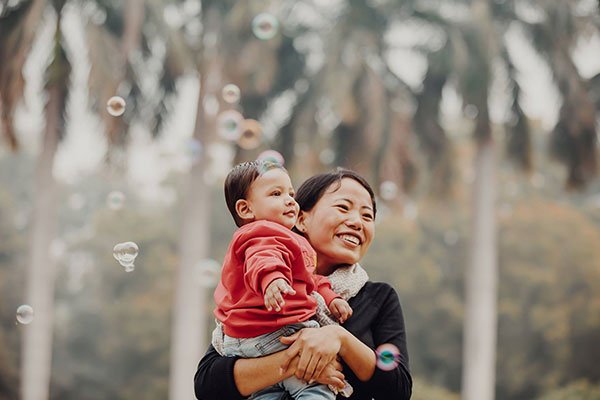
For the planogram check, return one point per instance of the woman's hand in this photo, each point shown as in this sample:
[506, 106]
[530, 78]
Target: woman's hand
[332, 375]
[316, 347]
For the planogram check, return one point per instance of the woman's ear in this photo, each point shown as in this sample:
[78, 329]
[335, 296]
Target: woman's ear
[301, 222]
[243, 210]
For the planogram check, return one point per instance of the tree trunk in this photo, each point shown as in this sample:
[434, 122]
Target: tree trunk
[480, 321]
[188, 341]
[37, 339]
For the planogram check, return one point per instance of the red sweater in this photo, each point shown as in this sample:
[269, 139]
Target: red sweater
[260, 252]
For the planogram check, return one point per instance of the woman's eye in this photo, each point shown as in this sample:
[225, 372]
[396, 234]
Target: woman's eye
[342, 207]
[368, 217]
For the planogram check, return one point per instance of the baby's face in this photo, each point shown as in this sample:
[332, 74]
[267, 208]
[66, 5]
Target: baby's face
[271, 198]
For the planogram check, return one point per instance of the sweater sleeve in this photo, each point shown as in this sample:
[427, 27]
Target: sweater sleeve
[268, 252]
[388, 327]
[324, 289]
[214, 378]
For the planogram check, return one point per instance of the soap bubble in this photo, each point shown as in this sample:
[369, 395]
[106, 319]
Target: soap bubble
[194, 150]
[271, 156]
[208, 272]
[125, 253]
[388, 190]
[24, 314]
[115, 106]
[327, 156]
[251, 135]
[265, 26]
[229, 125]
[388, 357]
[115, 200]
[231, 93]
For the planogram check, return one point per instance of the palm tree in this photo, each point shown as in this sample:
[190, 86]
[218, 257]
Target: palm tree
[19, 27]
[37, 340]
[220, 55]
[481, 39]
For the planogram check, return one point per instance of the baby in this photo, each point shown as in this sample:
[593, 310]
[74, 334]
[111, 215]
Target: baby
[269, 274]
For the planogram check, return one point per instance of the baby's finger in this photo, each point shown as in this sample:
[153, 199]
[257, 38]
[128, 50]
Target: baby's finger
[278, 301]
[335, 311]
[285, 288]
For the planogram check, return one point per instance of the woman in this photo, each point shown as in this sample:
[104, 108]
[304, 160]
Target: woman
[337, 213]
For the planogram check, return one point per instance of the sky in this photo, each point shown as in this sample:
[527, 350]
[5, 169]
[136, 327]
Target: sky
[84, 147]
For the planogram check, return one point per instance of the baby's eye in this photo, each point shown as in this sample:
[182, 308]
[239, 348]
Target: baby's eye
[276, 193]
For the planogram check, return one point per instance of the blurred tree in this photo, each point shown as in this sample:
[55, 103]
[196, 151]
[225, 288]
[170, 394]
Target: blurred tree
[581, 390]
[39, 293]
[473, 46]
[17, 33]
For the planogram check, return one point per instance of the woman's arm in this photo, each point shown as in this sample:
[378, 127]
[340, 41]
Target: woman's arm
[315, 345]
[236, 378]
[388, 327]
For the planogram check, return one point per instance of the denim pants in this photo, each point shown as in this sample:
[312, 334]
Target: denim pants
[267, 344]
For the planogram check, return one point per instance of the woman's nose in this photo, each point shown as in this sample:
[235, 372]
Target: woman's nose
[353, 221]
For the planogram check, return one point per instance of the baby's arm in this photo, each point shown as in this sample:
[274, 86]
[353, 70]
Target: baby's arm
[338, 306]
[340, 309]
[274, 294]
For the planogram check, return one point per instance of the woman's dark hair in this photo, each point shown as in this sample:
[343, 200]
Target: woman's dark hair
[311, 191]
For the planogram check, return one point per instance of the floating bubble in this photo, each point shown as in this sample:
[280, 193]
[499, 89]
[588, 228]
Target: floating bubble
[251, 135]
[115, 106]
[471, 111]
[229, 125]
[388, 190]
[327, 156]
[24, 314]
[58, 248]
[192, 7]
[208, 272]
[388, 357]
[210, 104]
[231, 93]
[271, 156]
[98, 17]
[125, 253]
[301, 85]
[194, 149]
[115, 200]
[265, 26]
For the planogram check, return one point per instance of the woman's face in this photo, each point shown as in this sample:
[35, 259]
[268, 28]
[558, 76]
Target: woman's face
[340, 226]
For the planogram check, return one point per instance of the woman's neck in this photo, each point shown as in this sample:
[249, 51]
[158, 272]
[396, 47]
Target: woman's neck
[326, 270]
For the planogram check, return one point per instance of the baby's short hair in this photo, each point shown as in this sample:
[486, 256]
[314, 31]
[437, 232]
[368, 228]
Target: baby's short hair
[240, 178]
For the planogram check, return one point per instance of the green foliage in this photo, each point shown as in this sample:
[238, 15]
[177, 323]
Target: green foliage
[424, 391]
[549, 306]
[578, 390]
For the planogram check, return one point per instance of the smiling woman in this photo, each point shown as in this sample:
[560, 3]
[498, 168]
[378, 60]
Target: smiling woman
[337, 212]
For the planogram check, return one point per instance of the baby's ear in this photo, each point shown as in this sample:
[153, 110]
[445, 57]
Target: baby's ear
[242, 208]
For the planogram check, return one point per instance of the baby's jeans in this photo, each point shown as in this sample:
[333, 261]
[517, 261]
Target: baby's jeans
[267, 344]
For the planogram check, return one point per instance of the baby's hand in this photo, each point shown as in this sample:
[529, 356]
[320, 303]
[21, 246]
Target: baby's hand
[340, 309]
[274, 294]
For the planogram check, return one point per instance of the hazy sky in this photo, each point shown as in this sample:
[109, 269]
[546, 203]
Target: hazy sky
[83, 149]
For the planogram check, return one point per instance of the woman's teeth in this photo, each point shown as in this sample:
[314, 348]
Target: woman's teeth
[351, 239]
